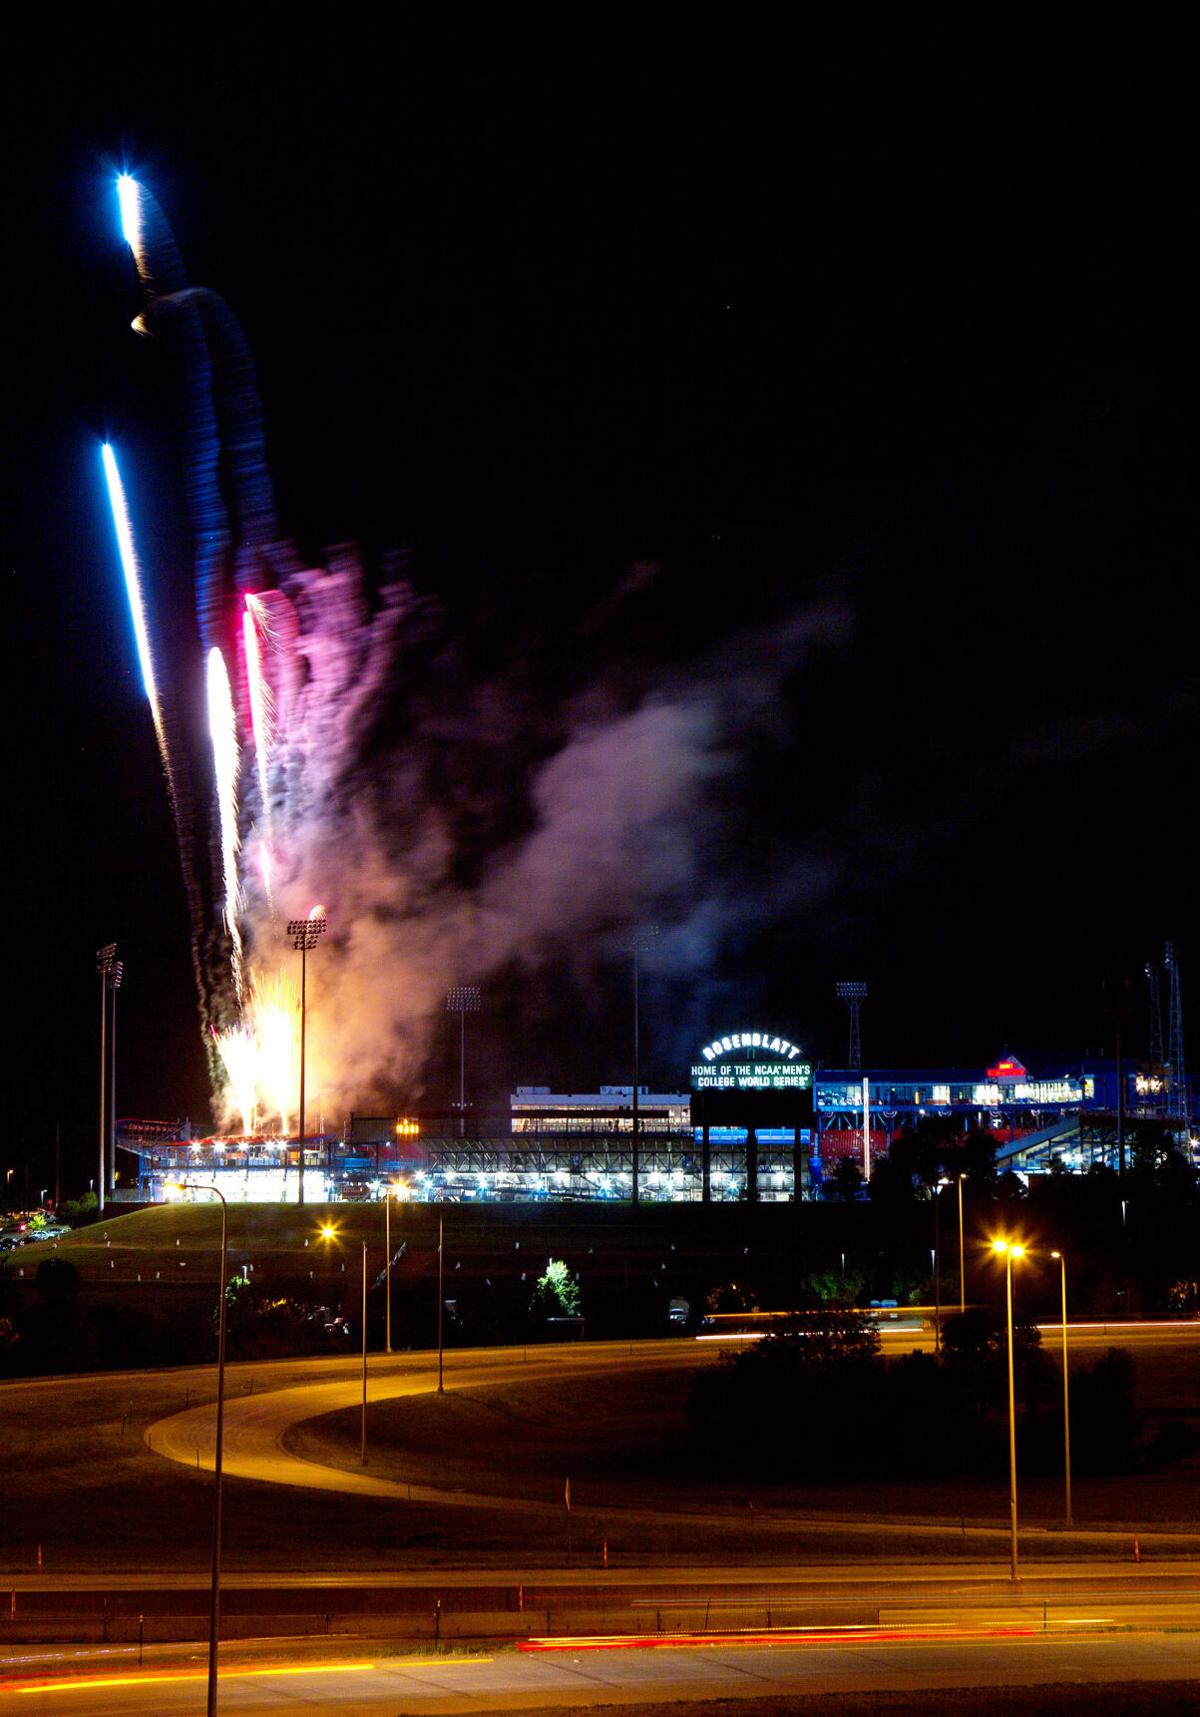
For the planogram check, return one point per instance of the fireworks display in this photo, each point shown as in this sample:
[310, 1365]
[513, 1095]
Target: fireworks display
[257, 665]
[454, 826]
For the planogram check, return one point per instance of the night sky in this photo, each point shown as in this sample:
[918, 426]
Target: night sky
[855, 409]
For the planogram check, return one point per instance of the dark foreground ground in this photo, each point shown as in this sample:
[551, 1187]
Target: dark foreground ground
[1114, 1699]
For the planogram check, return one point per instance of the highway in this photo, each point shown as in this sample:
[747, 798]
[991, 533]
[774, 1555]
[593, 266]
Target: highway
[599, 1673]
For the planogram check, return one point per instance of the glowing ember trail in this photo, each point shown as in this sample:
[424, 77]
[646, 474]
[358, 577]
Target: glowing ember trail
[262, 703]
[222, 723]
[238, 1053]
[275, 1012]
[261, 1055]
[262, 725]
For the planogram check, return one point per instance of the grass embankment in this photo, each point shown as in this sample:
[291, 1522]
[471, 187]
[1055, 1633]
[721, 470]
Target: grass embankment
[623, 1443]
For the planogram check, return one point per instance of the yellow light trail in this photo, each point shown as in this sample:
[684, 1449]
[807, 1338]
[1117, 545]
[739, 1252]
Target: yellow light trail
[190, 1675]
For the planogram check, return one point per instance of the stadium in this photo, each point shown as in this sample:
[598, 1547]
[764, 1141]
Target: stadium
[755, 1123]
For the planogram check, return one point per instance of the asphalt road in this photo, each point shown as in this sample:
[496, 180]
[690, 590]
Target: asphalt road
[998, 1659]
[256, 1425]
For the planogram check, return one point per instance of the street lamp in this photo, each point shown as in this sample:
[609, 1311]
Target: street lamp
[937, 1264]
[105, 958]
[462, 1000]
[305, 934]
[1066, 1387]
[328, 1232]
[1008, 1250]
[962, 1256]
[214, 1608]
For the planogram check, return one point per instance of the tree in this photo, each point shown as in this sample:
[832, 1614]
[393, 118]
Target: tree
[557, 1292]
[1105, 1422]
[847, 1180]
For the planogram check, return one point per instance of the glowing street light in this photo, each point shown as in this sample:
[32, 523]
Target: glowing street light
[1066, 1387]
[937, 1263]
[1008, 1250]
[305, 934]
[962, 1256]
[214, 1610]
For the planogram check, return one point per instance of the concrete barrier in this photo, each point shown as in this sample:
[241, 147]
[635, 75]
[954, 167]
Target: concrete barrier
[426, 1624]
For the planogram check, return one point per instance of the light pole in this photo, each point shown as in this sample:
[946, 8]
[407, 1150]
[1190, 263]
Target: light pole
[305, 934]
[363, 1436]
[962, 1256]
[462, 1000]
[214, 1604]
[1066, 1387]
[387, 1268]
[115, 973]
[937, 1264]
[441, 1299]
[328, 1232]
[639, 943]
[1008, 1250]
[104, 962]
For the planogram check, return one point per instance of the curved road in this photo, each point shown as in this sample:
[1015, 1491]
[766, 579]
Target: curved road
[256, 1426]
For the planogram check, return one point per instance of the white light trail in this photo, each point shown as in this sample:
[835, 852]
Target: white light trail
[133, 591]
[129, 198]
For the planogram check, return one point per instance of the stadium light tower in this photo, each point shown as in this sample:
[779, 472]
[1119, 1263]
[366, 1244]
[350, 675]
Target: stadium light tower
[640, 942]
[462, 999]
[115, 973]
[854, 995]
[105, 960]
[305, 934]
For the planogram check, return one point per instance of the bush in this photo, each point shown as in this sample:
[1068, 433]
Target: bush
[820, 1379]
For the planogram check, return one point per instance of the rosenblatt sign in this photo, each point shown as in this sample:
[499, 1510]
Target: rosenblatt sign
[751, 1061]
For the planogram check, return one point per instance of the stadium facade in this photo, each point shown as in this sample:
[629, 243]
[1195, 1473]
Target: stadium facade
[755, 1122]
